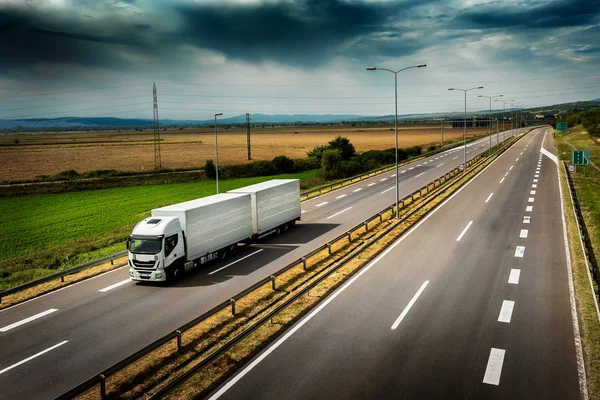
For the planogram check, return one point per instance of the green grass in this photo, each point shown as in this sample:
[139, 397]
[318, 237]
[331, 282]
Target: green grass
[587, 186]
[39, 234]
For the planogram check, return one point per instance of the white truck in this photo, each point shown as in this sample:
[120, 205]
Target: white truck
[180, 237]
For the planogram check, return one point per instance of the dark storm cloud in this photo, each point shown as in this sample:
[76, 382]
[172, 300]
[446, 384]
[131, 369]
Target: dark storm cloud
[305, 33]
[550, 14]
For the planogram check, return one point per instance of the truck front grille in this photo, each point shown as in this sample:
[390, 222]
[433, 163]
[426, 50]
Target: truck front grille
[144, 264]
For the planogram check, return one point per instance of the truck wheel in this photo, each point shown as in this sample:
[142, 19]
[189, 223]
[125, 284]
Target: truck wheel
[177, 273]
[233, 249]
[222, 254]
[277, 230]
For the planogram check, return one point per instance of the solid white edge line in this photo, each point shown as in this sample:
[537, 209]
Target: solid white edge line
[338, 213]
[494, 367]
[514, 276]
[235, 262]
[464, 231]
[116, 285]
[506, 311]
[409, 305]
[489, 197]
[33, 356]
[574, 318]
[26, 320]
[329, 299]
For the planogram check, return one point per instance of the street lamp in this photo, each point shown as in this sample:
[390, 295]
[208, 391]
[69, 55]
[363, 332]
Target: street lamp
[465, 125]
[503, 117]
[490, 117]
[217, 151]
[396, 118]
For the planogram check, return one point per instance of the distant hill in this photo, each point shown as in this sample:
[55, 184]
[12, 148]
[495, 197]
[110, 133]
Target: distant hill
[83, 123]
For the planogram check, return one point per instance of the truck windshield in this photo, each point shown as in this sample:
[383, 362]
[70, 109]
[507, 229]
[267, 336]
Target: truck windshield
[145, 246]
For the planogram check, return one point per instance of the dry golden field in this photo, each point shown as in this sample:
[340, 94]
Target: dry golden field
[26, 155]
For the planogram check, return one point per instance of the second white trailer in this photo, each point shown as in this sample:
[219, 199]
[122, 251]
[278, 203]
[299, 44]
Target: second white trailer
[275, 204]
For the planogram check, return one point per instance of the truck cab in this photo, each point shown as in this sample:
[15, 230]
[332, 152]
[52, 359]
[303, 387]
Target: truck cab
[156, 250]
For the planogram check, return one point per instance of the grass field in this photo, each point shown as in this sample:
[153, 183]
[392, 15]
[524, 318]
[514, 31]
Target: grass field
[587, 186]
[43, 233]
[49, 153]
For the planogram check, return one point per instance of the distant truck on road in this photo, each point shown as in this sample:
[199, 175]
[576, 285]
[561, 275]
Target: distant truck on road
[180, 237]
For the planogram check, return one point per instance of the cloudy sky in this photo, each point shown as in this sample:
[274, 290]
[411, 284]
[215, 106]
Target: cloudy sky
[101, 57]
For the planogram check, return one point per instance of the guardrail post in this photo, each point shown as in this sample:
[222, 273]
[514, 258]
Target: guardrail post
[366, 226]
[329, 247]
[380, 217]
[102, 386]
[349, 236]
[178, 332]
[232, 301]
[304, 263]
[112, 261]
[62, 278]
[273, 282]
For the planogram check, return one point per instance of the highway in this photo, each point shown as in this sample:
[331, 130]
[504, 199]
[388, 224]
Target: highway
[52, 343]
[473, 303]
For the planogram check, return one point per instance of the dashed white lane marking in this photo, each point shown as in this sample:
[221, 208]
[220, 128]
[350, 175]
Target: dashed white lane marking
[502, 180]
[521, 153]
[455, 158]
[532, 192]
[342, 196]
[511, 167]
[33, 356]
[494, 367]
[489, 197]
[303, 211]
[384, 179]
[464, 231]
[356, 190]
[441, 164]
[418, 165]
[517, 159]
[322, 204]
[531, 199]
[235, 262]
[506, 174]
[422, 173]
[520, 251]
[371, 184]
[411, 168]
[387, 190]
[524, 233]
[506, 311]
[393, 175]
[529, 208]
[513, 278]
[409, 305]
[526, 219]
[26, 320]
[534, 186]
[402, 171]
[114, 286]
[338, 213]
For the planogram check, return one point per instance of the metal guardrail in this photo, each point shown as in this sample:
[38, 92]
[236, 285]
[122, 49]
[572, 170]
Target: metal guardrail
[61, 274]
[100, 379]
[587, 243]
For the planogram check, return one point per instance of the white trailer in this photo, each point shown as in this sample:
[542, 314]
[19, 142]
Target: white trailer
[275, 205]
[182, 236]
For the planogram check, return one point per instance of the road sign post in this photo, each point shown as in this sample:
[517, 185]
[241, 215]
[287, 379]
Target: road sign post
[561, 126]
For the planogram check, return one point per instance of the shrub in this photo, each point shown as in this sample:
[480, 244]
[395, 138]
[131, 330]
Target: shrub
[68, 174]
[317, 152]
[343, 144]
[331, 164]
[209, 169]
[305, 164]
[283, 164]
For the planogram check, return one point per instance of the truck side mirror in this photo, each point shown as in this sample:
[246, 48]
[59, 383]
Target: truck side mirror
[128, 242]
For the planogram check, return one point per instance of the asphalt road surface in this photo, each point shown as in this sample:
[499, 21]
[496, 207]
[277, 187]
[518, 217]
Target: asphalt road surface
[51, 344]
[473, 303]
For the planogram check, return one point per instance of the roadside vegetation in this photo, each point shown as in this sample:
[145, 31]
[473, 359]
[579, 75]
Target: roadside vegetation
[586, 181]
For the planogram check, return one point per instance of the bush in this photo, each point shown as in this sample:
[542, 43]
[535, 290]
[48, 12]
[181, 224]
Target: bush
[317, 152]
[305, 164]
[343, 144]
[283, 164]
[331, 164]
[67, 175]
[210, 170]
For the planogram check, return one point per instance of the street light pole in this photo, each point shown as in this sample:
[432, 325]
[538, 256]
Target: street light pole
[503, 117]
[465, 126]
[396, 120]
[490, 117]
[217, 151]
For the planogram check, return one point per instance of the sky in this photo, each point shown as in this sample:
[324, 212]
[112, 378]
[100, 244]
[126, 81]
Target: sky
[101, 58]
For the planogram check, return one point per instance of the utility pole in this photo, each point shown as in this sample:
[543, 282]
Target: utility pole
[156, 131]
[248, 133]
[442, 125]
